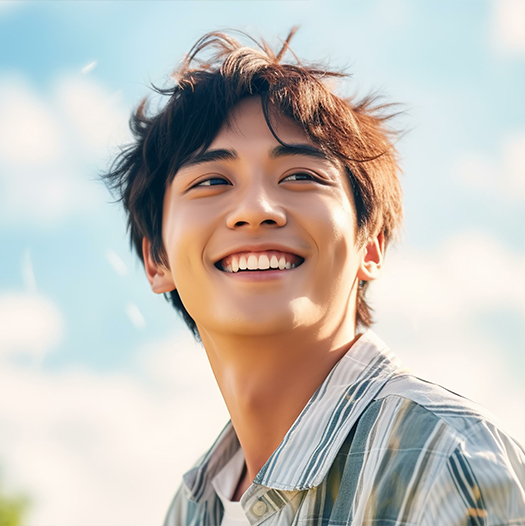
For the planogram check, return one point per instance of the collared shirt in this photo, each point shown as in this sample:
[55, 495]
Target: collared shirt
[374, 446]
[225, 483]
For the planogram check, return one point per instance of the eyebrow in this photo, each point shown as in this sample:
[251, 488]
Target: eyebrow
[222, 154]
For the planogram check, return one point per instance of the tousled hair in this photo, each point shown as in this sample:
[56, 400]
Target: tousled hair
[214, 77]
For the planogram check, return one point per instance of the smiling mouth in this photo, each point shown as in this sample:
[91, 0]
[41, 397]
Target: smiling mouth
[259, 261]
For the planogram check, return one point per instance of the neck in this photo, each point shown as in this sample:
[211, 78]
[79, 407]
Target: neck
[266, 381]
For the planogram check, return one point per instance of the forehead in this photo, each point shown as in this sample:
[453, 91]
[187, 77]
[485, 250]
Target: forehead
[247, 123]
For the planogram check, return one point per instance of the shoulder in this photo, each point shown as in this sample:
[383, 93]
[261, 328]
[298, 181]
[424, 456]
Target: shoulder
[449, 457]
[472, 425]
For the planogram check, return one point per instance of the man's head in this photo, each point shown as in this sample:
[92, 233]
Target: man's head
[289, 104]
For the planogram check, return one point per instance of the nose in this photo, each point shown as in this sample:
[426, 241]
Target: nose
[255, 207]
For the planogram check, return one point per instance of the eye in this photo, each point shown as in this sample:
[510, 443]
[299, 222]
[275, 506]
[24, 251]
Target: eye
[301, 176]
[212, 181]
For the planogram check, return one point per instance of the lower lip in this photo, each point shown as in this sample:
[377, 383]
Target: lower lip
[261, 275]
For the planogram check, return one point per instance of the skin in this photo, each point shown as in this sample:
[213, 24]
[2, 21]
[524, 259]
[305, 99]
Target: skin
[270, 342]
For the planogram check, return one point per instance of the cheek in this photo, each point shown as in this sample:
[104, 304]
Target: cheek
[333, 226]
[338, 255]
[185, 238]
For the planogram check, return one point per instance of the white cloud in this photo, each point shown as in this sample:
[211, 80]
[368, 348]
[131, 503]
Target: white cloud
[30, 324]
[43, 196]
[504, 175]
[508, 31]
[469, 274]
[47, 143]
[94, 113]
[93, 449]
[29, 133]
[189, 363]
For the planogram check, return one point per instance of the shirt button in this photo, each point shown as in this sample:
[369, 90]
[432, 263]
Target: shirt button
[259, 508]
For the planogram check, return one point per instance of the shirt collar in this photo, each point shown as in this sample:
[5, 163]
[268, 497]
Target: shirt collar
[225, 483]
[308, 449]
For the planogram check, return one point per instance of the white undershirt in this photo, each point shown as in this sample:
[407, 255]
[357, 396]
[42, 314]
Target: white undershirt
[225, 484]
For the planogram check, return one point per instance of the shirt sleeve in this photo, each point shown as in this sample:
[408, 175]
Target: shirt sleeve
[481, 484]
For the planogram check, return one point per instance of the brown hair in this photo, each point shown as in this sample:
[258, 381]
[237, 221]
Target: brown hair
[216, 75]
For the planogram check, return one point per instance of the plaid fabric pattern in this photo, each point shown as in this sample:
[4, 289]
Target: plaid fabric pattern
[374, 446]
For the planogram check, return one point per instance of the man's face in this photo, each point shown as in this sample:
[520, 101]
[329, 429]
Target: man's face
[250, 202]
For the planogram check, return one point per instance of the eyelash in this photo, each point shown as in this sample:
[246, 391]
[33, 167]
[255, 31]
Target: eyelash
[312, 177]
[208, 180]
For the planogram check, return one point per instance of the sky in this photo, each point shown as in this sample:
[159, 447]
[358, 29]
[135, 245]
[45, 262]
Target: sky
[105, 399]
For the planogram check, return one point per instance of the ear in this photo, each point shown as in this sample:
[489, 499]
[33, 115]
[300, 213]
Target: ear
[372, 260]
[159, 277]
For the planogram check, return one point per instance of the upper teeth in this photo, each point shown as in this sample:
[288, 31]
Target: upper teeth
[252, 261]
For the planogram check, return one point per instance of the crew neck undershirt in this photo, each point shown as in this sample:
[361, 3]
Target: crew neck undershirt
[225, 483]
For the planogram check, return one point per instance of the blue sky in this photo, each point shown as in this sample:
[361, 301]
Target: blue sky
[79, 320]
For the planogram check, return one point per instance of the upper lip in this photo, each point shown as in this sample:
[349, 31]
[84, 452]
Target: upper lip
[261, 247]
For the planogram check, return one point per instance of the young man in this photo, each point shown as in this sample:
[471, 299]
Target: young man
[262, 204]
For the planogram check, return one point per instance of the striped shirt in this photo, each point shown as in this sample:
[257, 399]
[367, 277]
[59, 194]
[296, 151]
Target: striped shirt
[374, 446]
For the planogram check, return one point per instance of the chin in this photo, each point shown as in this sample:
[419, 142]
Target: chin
[254, 324]
[256, 319]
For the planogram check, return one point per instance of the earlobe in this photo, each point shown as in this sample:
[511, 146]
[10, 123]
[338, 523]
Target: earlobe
[373, 253]
[160, 278]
